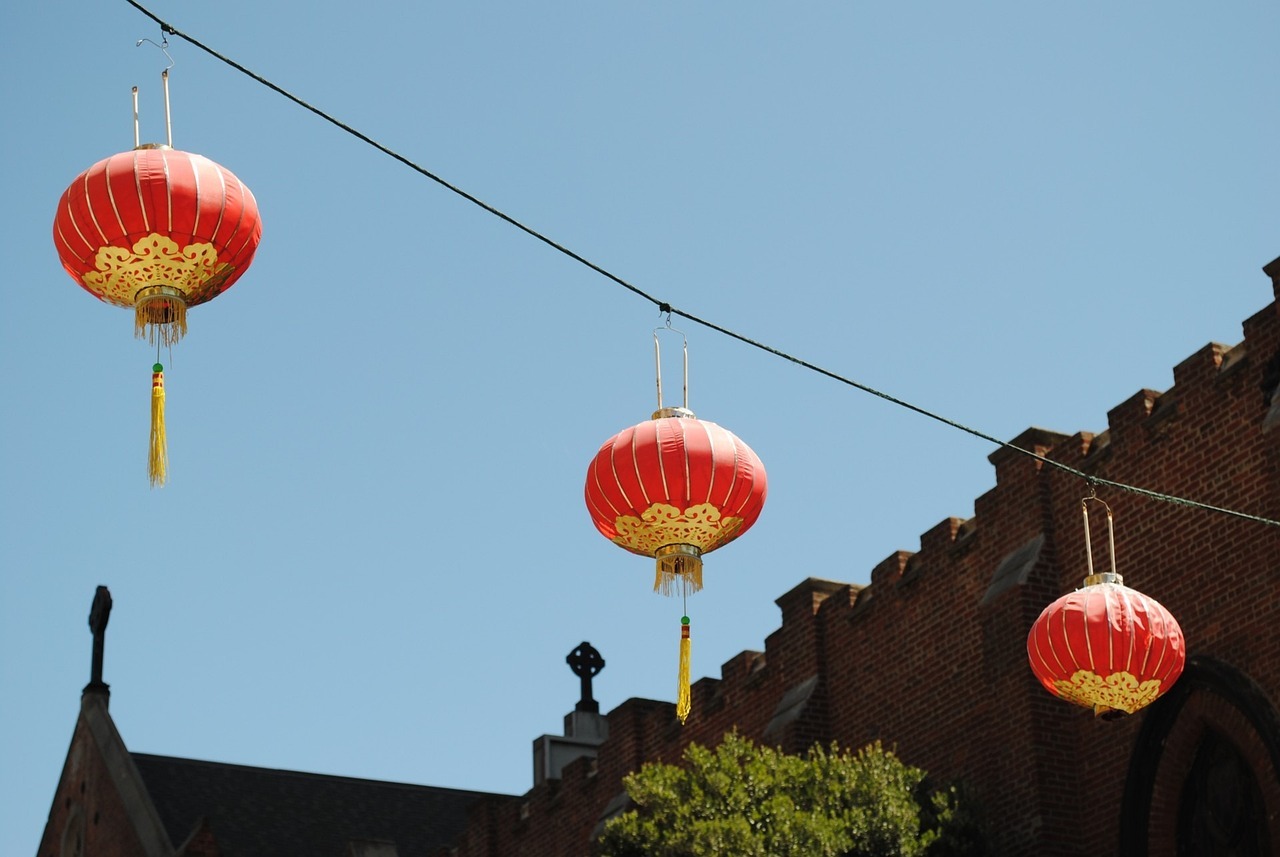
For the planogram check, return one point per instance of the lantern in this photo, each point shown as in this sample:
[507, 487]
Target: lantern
[1106, 646]
[158, 230]
[674, 488]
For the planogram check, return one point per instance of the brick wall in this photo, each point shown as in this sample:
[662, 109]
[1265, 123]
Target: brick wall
[87, 806]
[930, 657]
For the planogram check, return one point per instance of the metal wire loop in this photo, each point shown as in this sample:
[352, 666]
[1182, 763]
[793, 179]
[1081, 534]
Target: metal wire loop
[163, 46]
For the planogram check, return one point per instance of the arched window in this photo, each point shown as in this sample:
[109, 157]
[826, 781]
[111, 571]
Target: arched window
[1221, 810]
[1204, 774]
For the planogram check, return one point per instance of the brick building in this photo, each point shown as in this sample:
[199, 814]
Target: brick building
[930, 658]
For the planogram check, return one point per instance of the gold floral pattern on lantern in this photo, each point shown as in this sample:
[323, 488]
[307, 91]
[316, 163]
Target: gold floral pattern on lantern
[156, 260]
[1120, 691]
[663, 524]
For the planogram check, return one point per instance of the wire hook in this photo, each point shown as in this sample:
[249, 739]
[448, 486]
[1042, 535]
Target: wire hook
[163, 46]
[665, 309]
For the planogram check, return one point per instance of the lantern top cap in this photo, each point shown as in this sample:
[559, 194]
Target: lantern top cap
[679, 413]
[164, 146]
[1105, 577]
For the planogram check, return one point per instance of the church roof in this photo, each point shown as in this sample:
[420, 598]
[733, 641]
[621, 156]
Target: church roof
[276, 813]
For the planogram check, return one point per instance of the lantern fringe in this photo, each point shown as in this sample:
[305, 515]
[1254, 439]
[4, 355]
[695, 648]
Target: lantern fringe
[684, 694]
[158, 459]
[160, 320]
[678, 574]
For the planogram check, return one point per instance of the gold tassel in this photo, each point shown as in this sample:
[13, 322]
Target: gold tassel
[684, 694]
[160, 315]
[158, 460]
[678, 565]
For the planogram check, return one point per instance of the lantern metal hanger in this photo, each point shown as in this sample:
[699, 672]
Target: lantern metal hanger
[675, 488]
[159, 230]
[683, 410]
[1106, 646]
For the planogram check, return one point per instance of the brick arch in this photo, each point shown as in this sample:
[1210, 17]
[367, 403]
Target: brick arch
[1211, 697]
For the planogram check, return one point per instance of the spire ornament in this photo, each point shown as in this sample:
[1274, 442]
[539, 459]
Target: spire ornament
[99, 615]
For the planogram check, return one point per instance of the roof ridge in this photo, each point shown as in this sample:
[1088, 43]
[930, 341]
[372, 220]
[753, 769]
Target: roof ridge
[309, 774]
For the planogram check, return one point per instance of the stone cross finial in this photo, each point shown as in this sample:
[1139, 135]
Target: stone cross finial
[586, 663]
[99, 614]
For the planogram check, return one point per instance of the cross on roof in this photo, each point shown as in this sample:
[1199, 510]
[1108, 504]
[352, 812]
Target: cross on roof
[586, 663]
[99, 615]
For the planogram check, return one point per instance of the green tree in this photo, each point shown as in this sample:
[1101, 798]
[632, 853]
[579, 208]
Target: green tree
[750, 801]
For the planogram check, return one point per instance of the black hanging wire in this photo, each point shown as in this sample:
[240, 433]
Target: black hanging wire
[669, 310]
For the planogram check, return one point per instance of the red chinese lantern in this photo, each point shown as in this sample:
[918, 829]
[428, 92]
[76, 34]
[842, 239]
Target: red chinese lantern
[159, 230]
[1106, 646]
[674, 488]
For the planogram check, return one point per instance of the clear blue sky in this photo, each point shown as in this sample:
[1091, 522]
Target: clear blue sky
[373, 555]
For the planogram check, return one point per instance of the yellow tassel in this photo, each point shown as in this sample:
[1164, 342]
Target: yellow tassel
[158, 460]
[160, 315]
[684, 694]
[679, 569]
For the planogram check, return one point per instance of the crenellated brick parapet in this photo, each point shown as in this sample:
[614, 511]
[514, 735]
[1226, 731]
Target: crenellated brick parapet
[930, 656]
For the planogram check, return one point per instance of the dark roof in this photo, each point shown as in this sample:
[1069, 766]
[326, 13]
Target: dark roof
[262, 812]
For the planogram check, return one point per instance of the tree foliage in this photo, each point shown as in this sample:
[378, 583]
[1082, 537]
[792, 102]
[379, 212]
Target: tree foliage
[750, 801]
